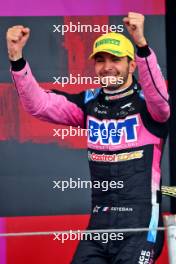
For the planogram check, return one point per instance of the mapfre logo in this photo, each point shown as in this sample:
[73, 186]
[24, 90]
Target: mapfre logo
[112, 131]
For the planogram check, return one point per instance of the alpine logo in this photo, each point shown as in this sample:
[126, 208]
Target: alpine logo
[112, 131]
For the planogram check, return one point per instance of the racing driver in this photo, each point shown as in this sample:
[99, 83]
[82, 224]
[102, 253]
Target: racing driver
[134, 116]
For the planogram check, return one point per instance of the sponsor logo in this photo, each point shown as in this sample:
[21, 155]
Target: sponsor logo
[126, 109]
[107, 41]
[112, 131]
[127, 105]
[123, 113]
[102, 106]
[96, 110]
[115, 157]
[146, 257]
[131, 109]
[97, 209]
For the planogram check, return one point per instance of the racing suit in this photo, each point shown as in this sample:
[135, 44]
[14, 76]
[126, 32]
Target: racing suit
[125, 140]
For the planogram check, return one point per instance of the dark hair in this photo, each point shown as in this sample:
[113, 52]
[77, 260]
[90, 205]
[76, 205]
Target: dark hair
[98, 55]
[129, 59]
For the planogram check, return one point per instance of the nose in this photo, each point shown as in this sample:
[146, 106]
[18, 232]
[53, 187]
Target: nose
[107, 66]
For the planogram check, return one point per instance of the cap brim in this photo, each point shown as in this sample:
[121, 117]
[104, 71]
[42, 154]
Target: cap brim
[113, 52]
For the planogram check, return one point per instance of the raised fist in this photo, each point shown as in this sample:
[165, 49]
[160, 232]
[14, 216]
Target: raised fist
[134, 23]
[17, 37]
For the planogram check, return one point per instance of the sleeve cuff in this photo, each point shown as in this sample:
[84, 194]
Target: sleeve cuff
[143, 51]
[18, 65]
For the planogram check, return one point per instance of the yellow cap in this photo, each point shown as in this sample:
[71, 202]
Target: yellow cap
[114, 43]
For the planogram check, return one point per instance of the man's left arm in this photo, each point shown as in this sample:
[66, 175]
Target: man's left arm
[153, 84]
[150, 76]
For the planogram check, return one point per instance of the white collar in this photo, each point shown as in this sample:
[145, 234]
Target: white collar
[115, 91]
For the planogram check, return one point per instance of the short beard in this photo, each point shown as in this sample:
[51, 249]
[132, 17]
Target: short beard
[117, 86]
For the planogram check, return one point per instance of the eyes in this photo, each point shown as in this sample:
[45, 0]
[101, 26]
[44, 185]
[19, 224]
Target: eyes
[99, 59]
[102, 59]
[116, 59]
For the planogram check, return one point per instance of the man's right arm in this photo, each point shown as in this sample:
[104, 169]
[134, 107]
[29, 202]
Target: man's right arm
[44, 105]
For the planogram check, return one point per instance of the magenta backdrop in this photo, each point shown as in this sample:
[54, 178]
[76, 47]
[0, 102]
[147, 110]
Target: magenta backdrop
[80, 7]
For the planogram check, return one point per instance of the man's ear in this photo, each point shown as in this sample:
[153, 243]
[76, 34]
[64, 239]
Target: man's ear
[132, 66]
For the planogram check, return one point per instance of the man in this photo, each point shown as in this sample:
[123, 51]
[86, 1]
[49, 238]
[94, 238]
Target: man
[127, 125]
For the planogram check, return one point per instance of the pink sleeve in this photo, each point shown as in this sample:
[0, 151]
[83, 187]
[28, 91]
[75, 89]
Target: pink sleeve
[43, 105]
[154, 87]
